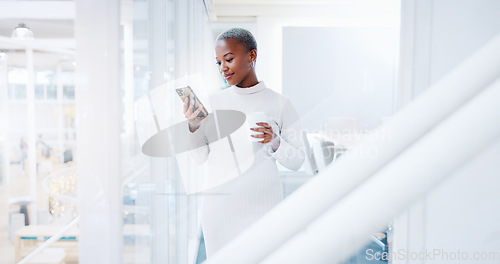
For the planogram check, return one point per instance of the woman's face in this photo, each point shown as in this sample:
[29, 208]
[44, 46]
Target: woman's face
[233, 61]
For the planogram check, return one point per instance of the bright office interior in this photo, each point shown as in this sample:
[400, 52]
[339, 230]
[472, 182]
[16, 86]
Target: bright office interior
[397, 100]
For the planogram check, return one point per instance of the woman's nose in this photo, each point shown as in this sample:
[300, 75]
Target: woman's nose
[223, 67]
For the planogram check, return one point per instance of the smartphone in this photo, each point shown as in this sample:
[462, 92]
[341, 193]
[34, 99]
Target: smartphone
[184, 92]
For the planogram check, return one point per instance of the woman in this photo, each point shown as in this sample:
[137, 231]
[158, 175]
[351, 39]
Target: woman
[253, 193]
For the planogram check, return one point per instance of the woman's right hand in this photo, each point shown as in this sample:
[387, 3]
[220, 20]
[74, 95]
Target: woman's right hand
[192, 117]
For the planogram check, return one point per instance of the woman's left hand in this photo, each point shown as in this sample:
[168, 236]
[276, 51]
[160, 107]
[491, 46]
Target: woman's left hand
[268, 134]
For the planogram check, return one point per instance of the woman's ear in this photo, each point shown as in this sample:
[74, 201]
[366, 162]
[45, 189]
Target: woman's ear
[253, 55]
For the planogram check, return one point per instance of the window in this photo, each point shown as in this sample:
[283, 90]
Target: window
[45, 79]
[39, 92]
[45, 84]
[17, 78]
[69, 92]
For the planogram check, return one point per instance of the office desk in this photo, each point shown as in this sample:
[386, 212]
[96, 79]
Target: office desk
[40, 233]
[43, 232]
[46, 258]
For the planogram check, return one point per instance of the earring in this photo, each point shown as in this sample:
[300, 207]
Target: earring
[252, 64]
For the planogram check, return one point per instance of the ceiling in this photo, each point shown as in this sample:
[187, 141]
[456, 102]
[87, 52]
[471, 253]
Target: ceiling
[47, 19]
[53, 21]
[42, 28]
[228, 10]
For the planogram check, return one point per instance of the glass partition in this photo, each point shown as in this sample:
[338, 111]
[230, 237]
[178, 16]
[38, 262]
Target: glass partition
[36, 203]
[164, 44]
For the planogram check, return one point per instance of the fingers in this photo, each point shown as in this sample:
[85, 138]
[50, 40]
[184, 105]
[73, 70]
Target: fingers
[267, 126]
[267, 131]
[197, 111]
[185, 107]
[265, 141]
[191, 105]
[264, 124]
[188, 111]
[266, 138]
[262, 129]
[260, 136]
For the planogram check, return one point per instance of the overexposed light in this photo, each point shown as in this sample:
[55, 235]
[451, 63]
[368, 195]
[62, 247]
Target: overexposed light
[22, 32]
[67, 77]
[18, 76]
[44, 77]
[3, 55]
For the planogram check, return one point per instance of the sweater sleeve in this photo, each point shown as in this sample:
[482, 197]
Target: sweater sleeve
[291, 151]
[198, 138]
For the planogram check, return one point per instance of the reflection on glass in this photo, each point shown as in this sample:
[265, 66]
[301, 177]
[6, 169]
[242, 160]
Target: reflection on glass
[69, 92]
[37, 209]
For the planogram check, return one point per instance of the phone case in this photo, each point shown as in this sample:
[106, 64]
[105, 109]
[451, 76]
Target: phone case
[188, 92]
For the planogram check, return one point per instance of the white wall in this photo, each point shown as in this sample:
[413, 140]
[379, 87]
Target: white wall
[462, 213]
[283, 73]
[269, 29]
[340, 71]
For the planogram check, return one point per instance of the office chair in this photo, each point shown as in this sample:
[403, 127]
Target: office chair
[310, 166]
[324, 152]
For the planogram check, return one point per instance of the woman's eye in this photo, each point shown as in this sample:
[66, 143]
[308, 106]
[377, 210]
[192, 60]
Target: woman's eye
[217, 62]
[229, 60]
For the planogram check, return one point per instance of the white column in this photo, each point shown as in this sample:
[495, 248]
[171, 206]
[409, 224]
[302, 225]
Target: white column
[162, 206]
[128, 68]
[31, 137]
[5, 123]
[404, 90]
[60, 117]
[98, 105]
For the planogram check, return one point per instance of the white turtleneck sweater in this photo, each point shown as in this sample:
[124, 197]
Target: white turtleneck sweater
[245, 198]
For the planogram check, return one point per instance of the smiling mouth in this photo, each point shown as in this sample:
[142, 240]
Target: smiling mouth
[227, 76]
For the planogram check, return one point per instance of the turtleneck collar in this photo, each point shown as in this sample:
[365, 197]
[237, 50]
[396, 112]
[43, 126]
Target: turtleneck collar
[249, 90]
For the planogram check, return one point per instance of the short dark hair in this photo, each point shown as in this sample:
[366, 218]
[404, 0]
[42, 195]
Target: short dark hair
[242, 35]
